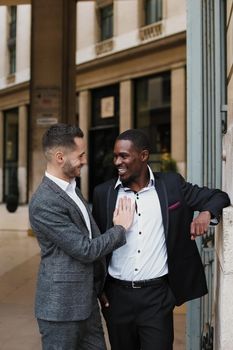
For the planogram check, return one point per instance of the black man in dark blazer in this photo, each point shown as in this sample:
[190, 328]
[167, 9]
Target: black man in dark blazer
[159, 266]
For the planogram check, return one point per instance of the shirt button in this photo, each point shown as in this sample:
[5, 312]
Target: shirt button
[140, 233]
[139, 214]
[139, 251]
[136, 270]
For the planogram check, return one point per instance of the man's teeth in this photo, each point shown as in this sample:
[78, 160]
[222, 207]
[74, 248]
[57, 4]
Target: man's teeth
[121, 171]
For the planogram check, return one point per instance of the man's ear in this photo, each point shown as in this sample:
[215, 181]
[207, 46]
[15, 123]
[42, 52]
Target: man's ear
[59, 157]
[145, 155]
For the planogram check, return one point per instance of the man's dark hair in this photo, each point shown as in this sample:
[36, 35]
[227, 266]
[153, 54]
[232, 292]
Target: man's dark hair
[137, 137]
[60, 135]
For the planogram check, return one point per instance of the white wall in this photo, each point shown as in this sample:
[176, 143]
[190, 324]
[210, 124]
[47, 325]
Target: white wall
[23, 38]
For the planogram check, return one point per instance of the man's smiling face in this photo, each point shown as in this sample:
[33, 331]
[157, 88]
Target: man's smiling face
[128, 161]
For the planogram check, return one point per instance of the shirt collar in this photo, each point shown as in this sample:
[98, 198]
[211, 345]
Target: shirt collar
[151, 181]
[64, 185]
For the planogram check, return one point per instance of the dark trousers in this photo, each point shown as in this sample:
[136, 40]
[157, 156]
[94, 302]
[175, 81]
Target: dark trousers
[74, 335]
[140, 319]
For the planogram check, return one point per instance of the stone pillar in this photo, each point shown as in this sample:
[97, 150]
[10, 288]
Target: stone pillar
[84, 124]
[224, 282]
[126, 105]
[1, 156]
[224, 236]
[23, 154]
[53, 44]
[178, 118]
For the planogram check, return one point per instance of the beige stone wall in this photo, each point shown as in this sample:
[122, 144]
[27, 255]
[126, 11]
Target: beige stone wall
[23, 42]
[128, 19]
[14, 96]
[85, 24]
[137, 62]
[126, 16]
[3, 48]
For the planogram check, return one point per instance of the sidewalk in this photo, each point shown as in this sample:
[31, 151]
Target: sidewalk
[19, 258]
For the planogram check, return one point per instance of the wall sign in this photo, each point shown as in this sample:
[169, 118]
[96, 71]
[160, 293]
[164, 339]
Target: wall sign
[107, 107]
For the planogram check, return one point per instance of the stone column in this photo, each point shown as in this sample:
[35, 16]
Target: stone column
[223, 333]
[53, 44]
[23, 154]
[178, 118]
[84, 123]
[126, 105]
[1, 156]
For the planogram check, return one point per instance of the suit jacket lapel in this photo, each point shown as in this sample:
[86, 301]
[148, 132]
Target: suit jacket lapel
[162, 194]
[65, 196]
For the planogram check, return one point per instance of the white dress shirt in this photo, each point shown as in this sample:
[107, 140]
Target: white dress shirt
[69, 188]
[144, 256]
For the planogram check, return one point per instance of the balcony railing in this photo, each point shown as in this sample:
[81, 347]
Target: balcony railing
[104, 47]
[151, 31]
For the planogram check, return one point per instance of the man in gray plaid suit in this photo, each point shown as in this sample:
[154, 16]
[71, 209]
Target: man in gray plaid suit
[72, 268]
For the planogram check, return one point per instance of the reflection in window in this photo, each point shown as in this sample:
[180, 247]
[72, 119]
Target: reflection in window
[106, 22]
[153, 109]
[153, 11]
[11, 129]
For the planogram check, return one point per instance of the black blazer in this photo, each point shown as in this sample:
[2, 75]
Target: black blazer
[178, 200]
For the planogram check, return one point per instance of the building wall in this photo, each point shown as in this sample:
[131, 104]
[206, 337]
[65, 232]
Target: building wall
[127, 22]
[224, 243]
[14, 93]
[131, 57]
[3, 31]
[22, 47]
[23, 43]
[134, 55]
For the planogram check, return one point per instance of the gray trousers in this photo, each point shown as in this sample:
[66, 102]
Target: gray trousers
[73, 335]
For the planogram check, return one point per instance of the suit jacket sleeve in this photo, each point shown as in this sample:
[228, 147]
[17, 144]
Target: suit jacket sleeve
[52, 223]
[203, 198]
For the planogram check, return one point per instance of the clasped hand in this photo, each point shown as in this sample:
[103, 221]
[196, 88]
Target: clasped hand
[200, 224]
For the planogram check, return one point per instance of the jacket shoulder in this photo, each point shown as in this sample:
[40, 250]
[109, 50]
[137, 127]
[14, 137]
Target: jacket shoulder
[105, 185]
[168, 176]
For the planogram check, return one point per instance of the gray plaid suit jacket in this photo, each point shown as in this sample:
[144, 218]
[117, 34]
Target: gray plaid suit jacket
[72, 265]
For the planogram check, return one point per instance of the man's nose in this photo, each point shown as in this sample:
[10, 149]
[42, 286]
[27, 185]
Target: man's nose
[117, 161]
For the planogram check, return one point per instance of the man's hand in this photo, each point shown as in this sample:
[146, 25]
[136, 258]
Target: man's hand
[124, 213]
[200, 224]
[104, 300]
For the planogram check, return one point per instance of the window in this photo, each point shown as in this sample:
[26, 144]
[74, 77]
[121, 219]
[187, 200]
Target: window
[106, 22]
[153, 110]
[153, 11]
[12, 39]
